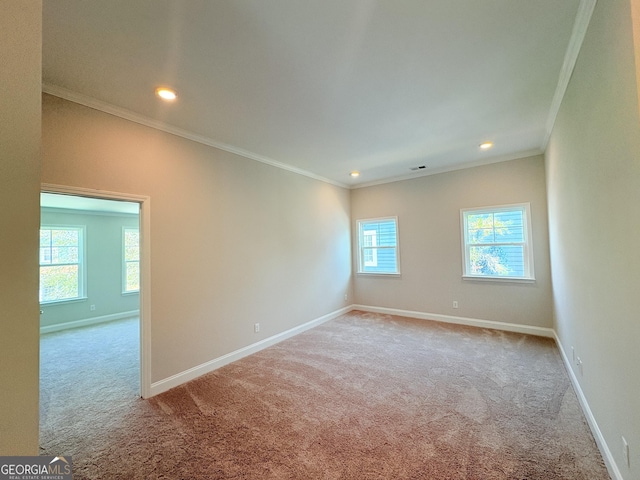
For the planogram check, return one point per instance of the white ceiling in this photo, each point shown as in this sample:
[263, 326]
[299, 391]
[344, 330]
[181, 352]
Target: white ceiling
[325, 87]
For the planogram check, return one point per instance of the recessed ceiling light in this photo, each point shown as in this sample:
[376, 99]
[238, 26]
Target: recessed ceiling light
[486, 145]
[166, 93]
[355, 174]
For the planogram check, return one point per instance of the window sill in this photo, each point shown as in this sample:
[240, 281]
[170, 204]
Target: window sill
[378, 274]
[136, 292]
[500, 279]
[58, 302]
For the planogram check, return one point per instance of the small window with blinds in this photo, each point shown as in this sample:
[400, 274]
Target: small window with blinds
[497, 242]
[378, 246]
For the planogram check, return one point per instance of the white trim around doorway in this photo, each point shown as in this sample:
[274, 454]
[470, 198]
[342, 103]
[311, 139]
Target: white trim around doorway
[145, 271]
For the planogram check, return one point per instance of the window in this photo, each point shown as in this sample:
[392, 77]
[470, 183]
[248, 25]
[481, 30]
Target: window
[497, 242]
[378, 246]
[61, 263]
[131, 260]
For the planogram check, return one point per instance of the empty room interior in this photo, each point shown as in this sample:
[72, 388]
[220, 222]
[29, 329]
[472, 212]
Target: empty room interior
[343, 200]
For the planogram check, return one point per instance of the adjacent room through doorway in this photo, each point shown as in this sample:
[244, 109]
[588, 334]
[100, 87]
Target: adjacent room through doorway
[89, 293]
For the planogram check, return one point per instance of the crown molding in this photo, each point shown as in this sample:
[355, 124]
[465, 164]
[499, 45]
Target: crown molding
[583, 17]
[105, 107]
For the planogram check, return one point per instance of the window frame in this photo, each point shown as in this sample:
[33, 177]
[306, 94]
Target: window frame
[125, 262]
[360, 248]
[82, 264]
[527, 243]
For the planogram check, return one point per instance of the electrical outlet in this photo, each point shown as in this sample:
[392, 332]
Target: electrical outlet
[346, 295]
[92, 308]
[625, 452]
[256, 327]
[455, 304]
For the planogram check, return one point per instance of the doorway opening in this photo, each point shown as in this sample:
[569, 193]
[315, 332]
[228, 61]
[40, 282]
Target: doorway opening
[94, 295]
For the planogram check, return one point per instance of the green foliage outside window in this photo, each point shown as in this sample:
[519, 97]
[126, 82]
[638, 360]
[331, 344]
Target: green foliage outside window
[495, 242]
[60, 263]
[131, 260]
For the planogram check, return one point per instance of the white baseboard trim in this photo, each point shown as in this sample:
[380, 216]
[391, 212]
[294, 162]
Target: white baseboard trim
[195, 372]
[472, 322]
[609, 461]
[88, 321]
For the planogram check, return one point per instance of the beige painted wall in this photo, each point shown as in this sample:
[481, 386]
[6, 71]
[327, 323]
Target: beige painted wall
[20, 46]
[593, 182]
[635, 13]
[233, 241]
[428, 211]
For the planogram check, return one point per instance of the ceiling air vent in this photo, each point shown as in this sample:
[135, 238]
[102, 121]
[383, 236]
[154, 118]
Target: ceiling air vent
[421, 167]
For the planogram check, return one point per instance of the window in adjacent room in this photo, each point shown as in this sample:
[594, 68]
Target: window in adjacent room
[378, 246]
[61, 263]
[131, 260]
[497, 242]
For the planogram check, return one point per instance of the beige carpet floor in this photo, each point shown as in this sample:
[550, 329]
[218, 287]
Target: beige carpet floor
[364, 396]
